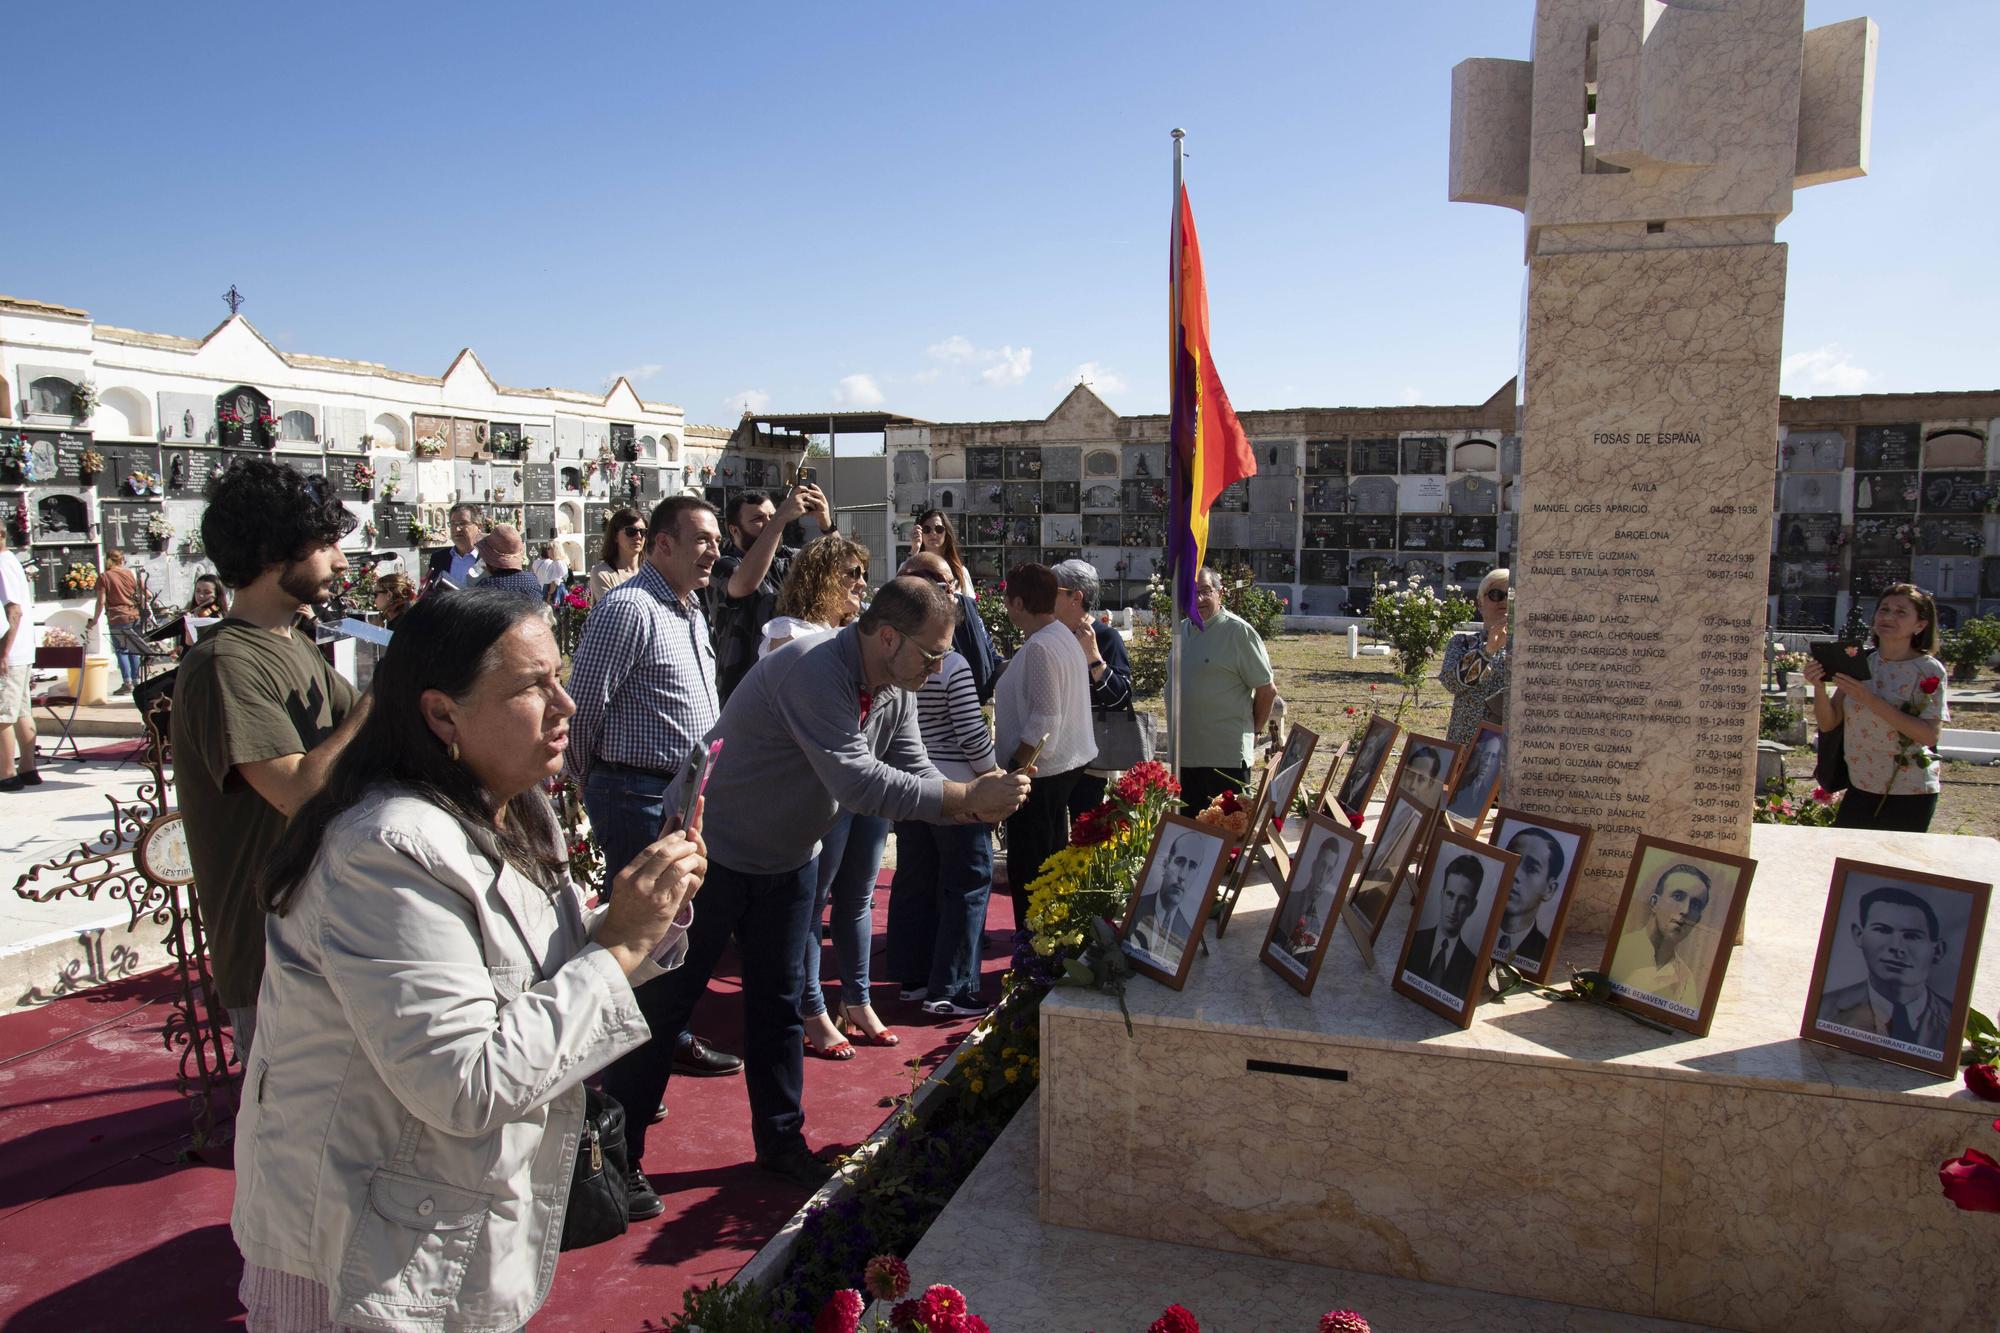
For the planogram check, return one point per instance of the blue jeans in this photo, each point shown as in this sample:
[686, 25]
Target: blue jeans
[937, 906]
[850, 857]
[124, 647]
[767, 916]
[625, 810]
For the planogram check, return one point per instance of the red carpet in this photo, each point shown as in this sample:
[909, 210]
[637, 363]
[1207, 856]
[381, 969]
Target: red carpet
[103, 1228]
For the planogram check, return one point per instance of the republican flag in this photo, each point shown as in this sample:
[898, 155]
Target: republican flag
[1209, 450]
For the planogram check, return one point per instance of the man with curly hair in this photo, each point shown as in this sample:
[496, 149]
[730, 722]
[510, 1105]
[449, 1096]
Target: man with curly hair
[259, 716]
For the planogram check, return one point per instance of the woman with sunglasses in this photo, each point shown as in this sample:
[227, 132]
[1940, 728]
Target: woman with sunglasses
[1475, 664]
[823, 591]
[934, 535]
[624, 546]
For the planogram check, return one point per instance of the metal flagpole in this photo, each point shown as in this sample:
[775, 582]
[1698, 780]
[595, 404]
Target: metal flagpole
[1176, 470]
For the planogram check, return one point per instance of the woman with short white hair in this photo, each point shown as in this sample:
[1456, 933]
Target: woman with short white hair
[1475, 663]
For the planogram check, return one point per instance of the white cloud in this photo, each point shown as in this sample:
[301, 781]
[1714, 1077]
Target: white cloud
[750, 400]
[955, 350]
[1012, 367]
[1828, 368]
[1101, 379]
[857, 391]
[638, 374]
[1412, 394]
[930, 376]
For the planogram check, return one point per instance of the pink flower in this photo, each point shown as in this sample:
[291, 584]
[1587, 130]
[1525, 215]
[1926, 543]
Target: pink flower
[1822, 795]
[1984, 1080]
[942, 1309]
[1373, 688]
[841, 1313]
[887, 1278]
[1175, 1319]
[1342, 1321]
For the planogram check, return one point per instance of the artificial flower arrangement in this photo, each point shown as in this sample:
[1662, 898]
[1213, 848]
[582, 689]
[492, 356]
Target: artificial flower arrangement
[364, 475]
[91, 463]
[85, 399]
[142, 482]
[60, 638]
[268, 422]
[228, 416]
[81, 577]
[429, 446]
[158, 529]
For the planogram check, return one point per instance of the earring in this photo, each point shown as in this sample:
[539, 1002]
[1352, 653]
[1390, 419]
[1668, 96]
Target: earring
[454, 752]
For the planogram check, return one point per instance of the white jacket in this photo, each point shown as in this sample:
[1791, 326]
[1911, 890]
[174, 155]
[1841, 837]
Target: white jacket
[414, 1097]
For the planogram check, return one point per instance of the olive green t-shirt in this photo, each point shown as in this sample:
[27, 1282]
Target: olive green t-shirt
[1226, 665]
[242, 695]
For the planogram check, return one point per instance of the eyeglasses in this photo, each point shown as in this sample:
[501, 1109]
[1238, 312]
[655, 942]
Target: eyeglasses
[932, 660]
[936, 528]
[1496, 594]
[634, 531]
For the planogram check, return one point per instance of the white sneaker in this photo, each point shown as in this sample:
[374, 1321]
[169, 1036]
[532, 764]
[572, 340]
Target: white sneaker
[952, 1008]
[911, 994]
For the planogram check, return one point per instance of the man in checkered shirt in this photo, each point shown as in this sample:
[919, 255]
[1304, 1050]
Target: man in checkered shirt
[644, 685]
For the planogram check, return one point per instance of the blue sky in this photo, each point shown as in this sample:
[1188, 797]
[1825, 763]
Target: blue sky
[950, 210]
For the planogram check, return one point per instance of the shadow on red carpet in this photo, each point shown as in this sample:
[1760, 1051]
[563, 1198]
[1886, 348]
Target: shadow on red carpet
[104, 1225]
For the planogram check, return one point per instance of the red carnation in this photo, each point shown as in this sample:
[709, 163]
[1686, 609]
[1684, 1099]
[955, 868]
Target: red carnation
[942, 1309]
[1971, 1182]
[1983, 1080]
[840, 1314]
[1342, 1321]
[1929, 684]
[886, 1277]
[904, 1314]
[1175, 1319]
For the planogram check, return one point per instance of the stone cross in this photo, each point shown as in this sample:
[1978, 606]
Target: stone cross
[1652, 148]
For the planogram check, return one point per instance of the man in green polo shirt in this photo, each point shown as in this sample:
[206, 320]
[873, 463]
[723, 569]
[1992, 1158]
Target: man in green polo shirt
[1226, 697]
[259, 715]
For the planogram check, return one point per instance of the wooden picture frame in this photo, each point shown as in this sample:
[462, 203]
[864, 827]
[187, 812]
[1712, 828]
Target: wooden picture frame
[1477, 786]
[1248, 848]
[1461, 890]
[1292, 761]
[1431, 790]
[1353, 795]
[1385, 864]
[1140, 931]
[1321, 802]
[1316, 891]
[1663, 905]
[1552, 876]
[1924, 913]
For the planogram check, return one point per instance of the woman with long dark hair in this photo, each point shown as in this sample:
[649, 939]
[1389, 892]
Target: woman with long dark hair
[618, 557]
[436, 995]
[934, 534]
[1889, 723]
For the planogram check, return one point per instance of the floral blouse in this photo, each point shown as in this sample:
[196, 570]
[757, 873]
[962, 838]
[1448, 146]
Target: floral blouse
[1481, 699]
[1873, 746]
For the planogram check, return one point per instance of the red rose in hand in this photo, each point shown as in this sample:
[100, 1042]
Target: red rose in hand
[840, 1314]
[1971, 1182]
[1929, 684]
[1984, 1080]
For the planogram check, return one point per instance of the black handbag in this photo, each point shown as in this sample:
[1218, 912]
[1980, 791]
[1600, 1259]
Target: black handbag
[597, 1208]
[1830, 767]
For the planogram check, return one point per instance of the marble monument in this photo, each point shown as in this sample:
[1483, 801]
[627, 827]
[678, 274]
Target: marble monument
[1653, 149]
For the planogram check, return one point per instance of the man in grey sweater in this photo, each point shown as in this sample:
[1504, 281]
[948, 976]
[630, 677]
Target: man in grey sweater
[820, 725]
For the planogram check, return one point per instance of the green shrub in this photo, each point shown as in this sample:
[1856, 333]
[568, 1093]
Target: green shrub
[1971, 646]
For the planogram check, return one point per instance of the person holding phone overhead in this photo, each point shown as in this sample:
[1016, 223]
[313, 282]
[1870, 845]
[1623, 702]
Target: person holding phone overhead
[1041, 711]
[1889, 722]
[744, 592]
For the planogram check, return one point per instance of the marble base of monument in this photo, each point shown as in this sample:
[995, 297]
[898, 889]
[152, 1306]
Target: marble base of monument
[1553, 1151]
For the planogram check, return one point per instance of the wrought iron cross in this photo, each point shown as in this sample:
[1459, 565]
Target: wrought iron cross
[233, 298]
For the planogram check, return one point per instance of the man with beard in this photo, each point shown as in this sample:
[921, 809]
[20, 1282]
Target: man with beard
[259, 716]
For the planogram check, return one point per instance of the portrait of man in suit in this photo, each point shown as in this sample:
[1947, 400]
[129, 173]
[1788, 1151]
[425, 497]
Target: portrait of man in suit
[1391, 851]
[1437, 954]
[1522, 940]
[1423, 776]
[1360, 780]
[1901, 943]
[1167, 908]
[1652, 958]
[1482, 775]
[1307, 914]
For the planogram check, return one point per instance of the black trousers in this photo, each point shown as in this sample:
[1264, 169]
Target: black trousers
[768, 916]
[1087, 794]
[1199, 786]
[1035, 832]
[1891, 814]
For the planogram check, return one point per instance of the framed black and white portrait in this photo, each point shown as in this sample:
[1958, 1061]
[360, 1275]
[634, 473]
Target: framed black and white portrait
[1171, 901]
[1291, 769]
[1478, 784]
[1893, 975]
[1532, 919]
[1425, 771]
[1453, 924]
[1359, 784]
[1295, 945]
[1399, 840]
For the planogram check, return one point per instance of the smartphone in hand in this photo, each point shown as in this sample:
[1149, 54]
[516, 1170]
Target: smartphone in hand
[1033, 754]
[693, 783]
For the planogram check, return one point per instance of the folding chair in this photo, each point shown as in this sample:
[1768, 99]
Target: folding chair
[57, 694]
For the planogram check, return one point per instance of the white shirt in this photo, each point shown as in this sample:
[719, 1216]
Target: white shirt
[549, 571]
[1046, 688]
[781, 630]
[15, 590]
